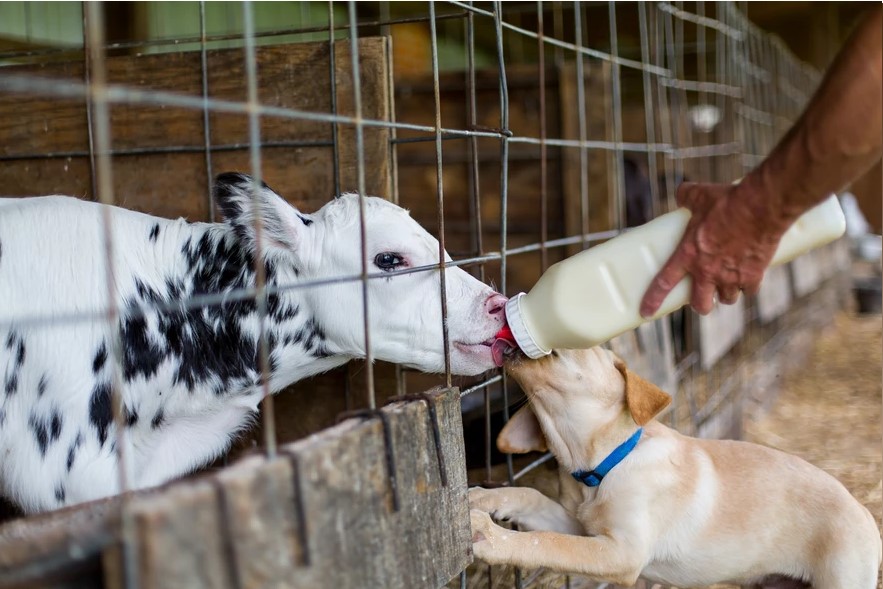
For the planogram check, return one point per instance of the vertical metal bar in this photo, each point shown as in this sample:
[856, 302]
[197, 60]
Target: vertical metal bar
[268, 414]
[335, 147]
[332, 77]
[702, 76]
[87, 79]
[393, 132]
[400, 376]
[649, 111]
[476, 232]
[93, 17]
[616, 103]
[440, 194]
[472, 145]
[206, 124]
[360, 172]
[558, 31]
[583, 133]
[668, 120]
[544, 194]
[504, 208]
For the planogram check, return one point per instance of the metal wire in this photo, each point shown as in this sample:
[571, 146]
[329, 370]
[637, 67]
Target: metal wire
[440, 195]
[206, 120]
[100, 140]
[360, 173]
[268, 413]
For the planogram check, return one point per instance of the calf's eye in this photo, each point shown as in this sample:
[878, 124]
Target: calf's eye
[388, 261]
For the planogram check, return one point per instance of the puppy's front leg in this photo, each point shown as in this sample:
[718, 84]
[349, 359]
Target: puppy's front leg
[601, 558]
[526, 507]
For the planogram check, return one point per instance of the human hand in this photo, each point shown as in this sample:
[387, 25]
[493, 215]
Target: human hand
[729, 241]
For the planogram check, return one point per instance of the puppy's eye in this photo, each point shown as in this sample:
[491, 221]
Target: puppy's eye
[388, 261]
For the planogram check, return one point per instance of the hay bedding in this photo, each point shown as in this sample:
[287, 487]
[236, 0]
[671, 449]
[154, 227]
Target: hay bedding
[828, 413]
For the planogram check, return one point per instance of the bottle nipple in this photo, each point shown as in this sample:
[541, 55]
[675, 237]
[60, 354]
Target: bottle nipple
[504, 343]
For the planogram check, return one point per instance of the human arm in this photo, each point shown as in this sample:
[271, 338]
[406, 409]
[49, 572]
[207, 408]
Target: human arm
[735, 229]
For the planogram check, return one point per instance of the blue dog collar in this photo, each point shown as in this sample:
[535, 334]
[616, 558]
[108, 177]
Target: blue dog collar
[593, 478]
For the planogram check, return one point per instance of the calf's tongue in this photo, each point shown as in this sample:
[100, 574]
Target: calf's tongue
[504, 342]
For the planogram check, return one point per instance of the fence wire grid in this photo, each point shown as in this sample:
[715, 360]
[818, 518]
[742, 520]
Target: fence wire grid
[519, 133]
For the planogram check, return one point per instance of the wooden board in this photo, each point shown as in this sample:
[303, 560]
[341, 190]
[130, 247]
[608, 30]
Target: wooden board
[774, 296]
[806, 274]
[161, 167]
[719, 331]
[321, 515]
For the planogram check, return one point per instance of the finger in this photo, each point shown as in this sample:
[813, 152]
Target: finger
[667, 278]
[685, 194]
[751, 288]
[728, 295]
[703, 296]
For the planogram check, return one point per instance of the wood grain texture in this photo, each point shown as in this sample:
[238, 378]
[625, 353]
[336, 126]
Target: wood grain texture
[160, 167]
[256, 525]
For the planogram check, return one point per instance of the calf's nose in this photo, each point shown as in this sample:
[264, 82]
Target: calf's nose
[495, 304]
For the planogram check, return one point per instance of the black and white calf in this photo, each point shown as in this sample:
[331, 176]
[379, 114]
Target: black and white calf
[191, 377]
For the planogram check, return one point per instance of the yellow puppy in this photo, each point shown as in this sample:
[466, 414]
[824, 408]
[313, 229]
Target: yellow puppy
[660, 505]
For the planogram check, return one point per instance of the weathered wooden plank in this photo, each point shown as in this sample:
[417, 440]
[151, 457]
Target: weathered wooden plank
[805, 274]
[719, 331]
[774, 296]
[258, 525]
[173, 183]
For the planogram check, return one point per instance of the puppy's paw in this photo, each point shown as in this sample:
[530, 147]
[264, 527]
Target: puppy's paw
[500, 503]
[483, 499]
[488, 539]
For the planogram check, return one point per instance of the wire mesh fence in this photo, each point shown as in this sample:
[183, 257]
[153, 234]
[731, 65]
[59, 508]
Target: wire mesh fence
[518, 133]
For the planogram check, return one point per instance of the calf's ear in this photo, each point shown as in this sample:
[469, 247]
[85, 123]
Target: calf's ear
[241, 200]
[643, 398]
[522, 433]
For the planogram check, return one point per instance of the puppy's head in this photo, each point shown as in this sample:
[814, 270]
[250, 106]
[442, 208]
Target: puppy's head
[573, 393]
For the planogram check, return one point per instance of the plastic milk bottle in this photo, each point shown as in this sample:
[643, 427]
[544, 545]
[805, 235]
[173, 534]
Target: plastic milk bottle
[594, 295]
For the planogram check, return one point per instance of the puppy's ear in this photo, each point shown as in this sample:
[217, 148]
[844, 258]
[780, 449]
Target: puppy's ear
[522, 433]
[644, 399]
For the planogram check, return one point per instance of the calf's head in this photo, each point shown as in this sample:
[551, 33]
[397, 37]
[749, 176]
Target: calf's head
[404, 310]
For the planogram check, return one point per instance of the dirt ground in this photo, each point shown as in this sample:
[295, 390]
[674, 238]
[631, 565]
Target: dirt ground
[830, 413]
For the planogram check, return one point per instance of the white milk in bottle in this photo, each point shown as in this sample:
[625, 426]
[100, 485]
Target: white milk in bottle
[595, 295]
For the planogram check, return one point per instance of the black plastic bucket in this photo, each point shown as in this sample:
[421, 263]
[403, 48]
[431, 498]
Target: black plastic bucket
[868, 293]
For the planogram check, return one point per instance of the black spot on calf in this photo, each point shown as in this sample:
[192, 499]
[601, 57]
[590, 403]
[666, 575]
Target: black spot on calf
[157, 420]
[100, 414]
[131, 416]
[305, 220]
[154, 232]
[12, 383]
[41, 386]
[59, 493]
[100, 358]
[72, 452]
[41, 432]
[55, 426]
[20, 355]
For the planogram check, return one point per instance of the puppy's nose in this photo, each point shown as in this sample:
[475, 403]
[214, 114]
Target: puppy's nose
[495, 304]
